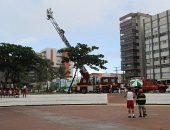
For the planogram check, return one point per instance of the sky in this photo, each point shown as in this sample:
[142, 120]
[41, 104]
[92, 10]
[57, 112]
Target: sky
[92, 22]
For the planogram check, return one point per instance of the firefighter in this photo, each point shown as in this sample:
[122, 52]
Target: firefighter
[141, 100]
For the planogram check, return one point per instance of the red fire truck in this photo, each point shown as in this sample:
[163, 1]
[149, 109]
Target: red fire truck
[152, 85]
[98, 82]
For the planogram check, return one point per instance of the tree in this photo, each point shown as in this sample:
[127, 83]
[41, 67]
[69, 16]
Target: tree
[16, 61]
[61, 74]
[45, 71]
[81, 55]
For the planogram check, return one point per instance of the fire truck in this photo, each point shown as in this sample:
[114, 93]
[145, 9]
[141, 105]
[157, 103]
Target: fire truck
[152, 85]
[98, 83]
[88, 82]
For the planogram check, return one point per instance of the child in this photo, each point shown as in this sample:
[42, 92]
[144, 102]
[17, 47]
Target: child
[130, 102]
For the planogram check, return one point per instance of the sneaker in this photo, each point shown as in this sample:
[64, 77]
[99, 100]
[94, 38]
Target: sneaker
[140, 116]
[129, 116]
[134, 117]
[144, 115]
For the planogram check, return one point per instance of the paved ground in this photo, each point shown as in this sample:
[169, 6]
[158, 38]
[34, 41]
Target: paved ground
[83, 117]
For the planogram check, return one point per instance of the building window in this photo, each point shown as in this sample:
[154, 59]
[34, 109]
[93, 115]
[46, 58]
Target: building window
[147, 25]
[163, 28]
[155, 23]
[164, 49]
[163, 20]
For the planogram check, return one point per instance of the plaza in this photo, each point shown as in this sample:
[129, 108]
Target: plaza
[110, 116]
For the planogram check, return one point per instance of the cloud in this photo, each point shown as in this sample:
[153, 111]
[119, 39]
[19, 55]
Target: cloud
[95, 22]
[29, 17]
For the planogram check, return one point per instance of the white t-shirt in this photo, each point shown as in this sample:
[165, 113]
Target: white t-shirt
[129, 95]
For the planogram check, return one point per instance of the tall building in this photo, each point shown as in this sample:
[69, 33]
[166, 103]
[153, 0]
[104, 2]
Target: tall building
[132, 45]
[53, 55]
[157, 46]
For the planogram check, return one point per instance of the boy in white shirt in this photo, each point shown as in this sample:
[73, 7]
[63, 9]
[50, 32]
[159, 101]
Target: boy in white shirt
[130, 102]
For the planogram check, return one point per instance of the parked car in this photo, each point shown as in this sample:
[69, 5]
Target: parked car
[168, 89]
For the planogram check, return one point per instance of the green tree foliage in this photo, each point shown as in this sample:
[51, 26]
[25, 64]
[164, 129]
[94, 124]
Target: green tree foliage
[61, 74]
[16, 60]
[44, 71]
[81, 55]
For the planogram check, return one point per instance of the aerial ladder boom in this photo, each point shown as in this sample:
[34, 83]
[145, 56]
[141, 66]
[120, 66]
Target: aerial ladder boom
[58, 29]
[61, 32]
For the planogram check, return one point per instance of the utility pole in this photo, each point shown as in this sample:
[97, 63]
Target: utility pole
[116, 69]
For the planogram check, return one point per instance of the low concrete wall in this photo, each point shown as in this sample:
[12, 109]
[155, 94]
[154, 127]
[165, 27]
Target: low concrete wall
[157, 98]
[56, 99]
[79, 99]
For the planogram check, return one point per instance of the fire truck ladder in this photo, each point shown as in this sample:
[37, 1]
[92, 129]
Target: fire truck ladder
[61, 32]
[58, 29]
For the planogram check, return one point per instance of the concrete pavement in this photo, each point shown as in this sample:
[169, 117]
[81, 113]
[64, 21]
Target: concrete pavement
[112, 116]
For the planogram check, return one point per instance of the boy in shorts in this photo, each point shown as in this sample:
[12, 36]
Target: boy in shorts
[130, 103]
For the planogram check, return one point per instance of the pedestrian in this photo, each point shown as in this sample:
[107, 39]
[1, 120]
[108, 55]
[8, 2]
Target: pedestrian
[1, 92]
[141, 101]
[130, 103]
[24, 91]
[136, 90]
[1, 85]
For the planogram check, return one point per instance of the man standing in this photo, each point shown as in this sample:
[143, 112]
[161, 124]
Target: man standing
[24, 91]
[141, 100]
[130, 102]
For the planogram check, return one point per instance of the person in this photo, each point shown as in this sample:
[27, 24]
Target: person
[24, 91]
[130, 103]
[141, 101]
[136, 90]
[1, 85]
[1, 92]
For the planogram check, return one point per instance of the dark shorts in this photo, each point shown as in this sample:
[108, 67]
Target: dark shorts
[130, 104]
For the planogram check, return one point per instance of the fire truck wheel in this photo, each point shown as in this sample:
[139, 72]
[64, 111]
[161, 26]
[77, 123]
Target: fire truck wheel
[84, 90]
[162, 90]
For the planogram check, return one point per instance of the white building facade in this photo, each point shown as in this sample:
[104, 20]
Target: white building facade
[157, 46]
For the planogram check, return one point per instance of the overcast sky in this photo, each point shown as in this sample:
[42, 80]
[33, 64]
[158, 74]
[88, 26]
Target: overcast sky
[93, 22]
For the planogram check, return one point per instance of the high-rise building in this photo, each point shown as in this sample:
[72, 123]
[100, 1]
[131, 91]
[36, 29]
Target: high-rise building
[56, 58]
[132, 44]
[157, 46]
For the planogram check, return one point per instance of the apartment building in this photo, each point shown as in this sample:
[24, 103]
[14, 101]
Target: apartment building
[132, 45]
[157, 46]
[53, 55]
